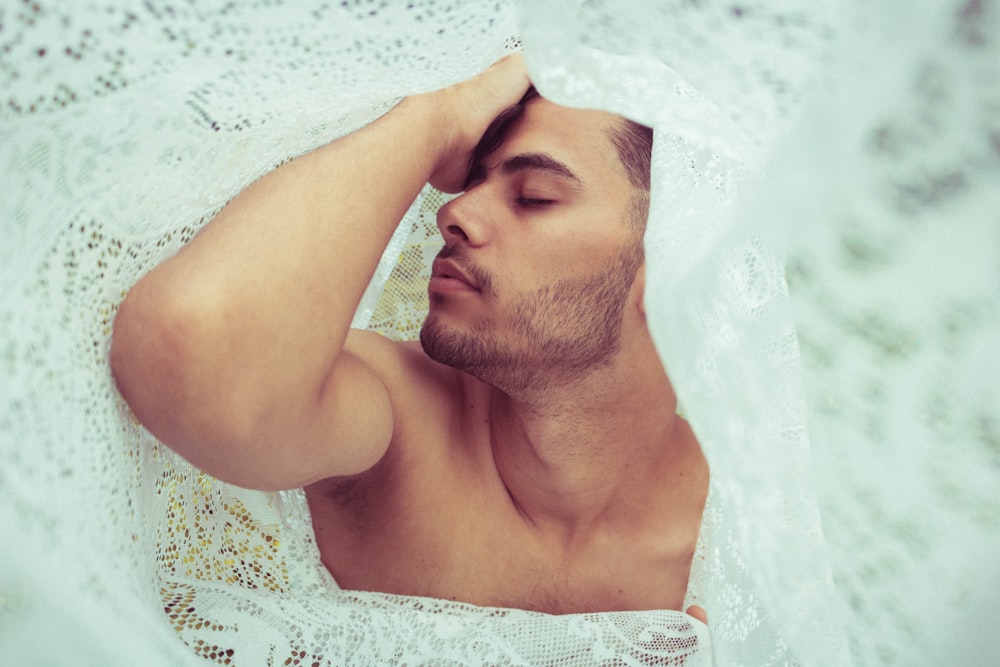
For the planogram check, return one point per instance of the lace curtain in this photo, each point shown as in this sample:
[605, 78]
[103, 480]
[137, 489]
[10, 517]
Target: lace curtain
[852, 429]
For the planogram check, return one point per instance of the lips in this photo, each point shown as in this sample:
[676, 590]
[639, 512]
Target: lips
[445, 273]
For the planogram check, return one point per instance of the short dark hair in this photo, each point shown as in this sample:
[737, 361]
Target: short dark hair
[633, 142]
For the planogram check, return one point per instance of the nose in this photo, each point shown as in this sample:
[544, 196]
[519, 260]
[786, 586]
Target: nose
[465, 218]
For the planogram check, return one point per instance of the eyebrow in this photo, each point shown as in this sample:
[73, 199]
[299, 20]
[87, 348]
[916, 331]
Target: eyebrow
[538, 162]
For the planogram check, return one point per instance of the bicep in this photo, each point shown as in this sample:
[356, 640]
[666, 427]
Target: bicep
[354, 413]
[344, 428]
[348, 428]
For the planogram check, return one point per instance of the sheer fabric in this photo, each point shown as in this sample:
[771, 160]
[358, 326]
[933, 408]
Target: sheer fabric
[863, 142]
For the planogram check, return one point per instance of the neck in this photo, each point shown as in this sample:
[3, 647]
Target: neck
[593, 451]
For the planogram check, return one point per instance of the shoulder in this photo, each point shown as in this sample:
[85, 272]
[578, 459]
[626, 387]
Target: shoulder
[437, 410]
[430, 436]
[405, 370]
[431, 402]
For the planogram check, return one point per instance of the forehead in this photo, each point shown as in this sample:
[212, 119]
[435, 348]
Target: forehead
[580, 138]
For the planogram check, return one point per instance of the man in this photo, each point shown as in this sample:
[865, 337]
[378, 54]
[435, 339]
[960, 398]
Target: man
[526, 453]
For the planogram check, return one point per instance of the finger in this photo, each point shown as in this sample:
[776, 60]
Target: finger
[697, 612]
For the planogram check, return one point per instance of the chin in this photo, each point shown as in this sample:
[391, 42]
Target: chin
[466, 350]
[437, 340]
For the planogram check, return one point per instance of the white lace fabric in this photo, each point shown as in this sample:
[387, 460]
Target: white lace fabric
[125, 129]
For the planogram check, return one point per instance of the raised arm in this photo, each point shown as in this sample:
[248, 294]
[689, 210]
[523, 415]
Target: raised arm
[233, 351]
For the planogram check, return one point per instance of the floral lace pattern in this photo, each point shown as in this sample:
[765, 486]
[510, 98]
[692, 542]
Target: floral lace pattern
[853, 483]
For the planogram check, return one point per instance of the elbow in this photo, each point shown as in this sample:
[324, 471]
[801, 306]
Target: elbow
[144, 353]
[173, 362]
[158, 348]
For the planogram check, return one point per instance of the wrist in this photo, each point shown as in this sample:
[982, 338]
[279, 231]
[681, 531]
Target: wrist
[431, 117]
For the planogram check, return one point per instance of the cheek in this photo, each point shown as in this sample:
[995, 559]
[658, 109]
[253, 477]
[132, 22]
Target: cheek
[558, 247]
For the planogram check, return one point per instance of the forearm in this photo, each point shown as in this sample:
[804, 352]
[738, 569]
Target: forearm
[250, 316]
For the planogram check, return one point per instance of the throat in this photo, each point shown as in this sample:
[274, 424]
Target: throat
[575, 474]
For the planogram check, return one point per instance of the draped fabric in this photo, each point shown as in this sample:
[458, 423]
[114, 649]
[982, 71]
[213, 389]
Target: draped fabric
[823, 283]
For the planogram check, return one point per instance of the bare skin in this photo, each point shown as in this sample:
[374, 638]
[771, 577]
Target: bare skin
[543, 487]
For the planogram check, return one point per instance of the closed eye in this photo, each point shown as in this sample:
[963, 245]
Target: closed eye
[533, 203]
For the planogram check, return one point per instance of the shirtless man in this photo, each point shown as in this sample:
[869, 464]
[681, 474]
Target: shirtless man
[526, 454]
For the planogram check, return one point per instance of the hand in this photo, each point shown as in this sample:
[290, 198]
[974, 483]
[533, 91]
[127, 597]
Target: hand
[469, 108]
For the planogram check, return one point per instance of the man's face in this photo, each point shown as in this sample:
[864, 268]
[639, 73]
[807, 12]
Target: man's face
[540, 255]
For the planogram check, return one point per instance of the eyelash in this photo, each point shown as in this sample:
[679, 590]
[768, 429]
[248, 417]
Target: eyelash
[533, 203]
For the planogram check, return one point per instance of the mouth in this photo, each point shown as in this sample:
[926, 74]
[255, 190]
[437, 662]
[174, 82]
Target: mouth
[446, 276]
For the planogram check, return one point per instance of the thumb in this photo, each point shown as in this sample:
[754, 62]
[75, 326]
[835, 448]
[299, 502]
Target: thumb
[697, 612]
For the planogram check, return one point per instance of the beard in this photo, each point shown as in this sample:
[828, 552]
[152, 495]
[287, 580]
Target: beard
[557, 333]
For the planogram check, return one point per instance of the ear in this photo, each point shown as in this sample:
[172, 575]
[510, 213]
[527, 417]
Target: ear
[639, 288]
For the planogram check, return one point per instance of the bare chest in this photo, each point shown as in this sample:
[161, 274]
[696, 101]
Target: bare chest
[439, 540]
